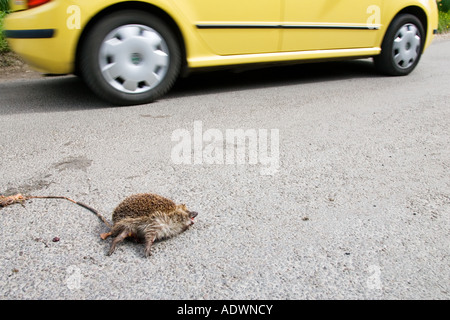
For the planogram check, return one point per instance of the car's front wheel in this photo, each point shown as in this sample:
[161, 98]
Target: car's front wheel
[402, 46]
[130, 57]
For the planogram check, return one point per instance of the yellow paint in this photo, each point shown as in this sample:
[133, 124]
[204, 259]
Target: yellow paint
[16, 5]
[338, 13]
[272, 29]
[235, 41]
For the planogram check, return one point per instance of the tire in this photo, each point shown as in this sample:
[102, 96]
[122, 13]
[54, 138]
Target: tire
[130, 57]
[402, 46]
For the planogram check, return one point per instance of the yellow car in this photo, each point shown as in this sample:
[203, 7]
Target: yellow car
[131, 52]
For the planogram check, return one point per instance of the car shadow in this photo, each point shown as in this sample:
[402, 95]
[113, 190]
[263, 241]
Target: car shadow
[254, 77]
[47, 94]
[69, 93]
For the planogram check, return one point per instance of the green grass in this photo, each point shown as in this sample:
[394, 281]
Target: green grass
[444, 22]
[3, 44]
[444, 5]
[4, 5]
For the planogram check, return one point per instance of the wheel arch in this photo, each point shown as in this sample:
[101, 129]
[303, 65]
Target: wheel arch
[138, 5]
[416, 11]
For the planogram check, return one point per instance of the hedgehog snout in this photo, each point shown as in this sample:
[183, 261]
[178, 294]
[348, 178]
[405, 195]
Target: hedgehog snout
[192, 214]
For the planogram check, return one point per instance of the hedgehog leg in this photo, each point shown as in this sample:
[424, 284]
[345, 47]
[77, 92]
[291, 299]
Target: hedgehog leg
[149, 239]
[104, 236]
[118, 239]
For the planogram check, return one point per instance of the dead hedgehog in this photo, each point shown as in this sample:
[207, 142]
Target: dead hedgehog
[146, 217]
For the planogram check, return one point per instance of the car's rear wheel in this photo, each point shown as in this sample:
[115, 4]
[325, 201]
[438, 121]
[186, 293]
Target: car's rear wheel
[130, 57]
[402, 46]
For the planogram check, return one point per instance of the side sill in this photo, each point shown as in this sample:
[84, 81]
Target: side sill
[216, 60]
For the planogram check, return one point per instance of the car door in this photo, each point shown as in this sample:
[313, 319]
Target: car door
[236, 26]
[330, 24]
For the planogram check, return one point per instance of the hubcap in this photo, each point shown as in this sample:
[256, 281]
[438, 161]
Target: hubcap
[134, 58]
[407, 46]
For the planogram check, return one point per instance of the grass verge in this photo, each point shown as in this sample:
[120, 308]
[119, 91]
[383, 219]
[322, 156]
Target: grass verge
[7, 57]
[444, 22]
[3, 44]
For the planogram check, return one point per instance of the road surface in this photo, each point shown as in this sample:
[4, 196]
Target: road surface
[343, 190]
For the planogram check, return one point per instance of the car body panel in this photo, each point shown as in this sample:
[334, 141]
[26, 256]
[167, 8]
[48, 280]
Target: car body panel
[331, 24]
[42, 53]
[228, 31]
[216, 34]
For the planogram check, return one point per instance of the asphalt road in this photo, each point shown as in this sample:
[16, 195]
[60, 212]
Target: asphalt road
[357, 209]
